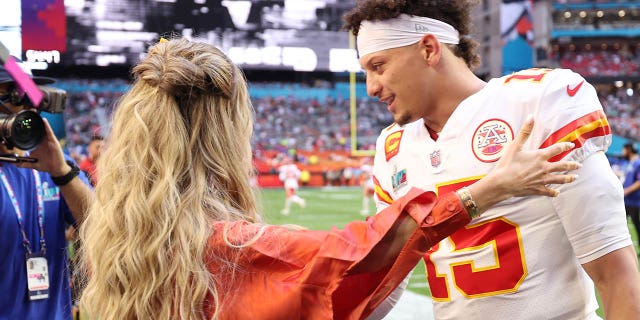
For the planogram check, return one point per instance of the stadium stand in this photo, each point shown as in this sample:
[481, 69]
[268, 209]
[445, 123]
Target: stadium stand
[310, 123]
[601, 41]
[601, 62]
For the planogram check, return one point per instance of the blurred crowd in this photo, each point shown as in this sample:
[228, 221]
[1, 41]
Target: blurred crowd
[601, 62]
[287, 122]
[623, 111]
[283, 122]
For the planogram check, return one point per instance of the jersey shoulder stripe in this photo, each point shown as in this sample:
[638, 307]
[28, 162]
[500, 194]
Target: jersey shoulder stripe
[591, 125]
[383, 195]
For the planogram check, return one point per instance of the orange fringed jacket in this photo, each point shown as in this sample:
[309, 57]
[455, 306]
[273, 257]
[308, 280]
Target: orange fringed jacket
[304, 274]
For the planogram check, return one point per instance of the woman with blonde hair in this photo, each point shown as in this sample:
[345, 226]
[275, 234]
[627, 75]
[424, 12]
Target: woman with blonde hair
[175, 231]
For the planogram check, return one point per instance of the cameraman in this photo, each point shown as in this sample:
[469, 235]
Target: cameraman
[37, 201]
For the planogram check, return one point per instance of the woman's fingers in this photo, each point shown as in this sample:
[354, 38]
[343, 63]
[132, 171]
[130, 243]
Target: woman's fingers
[560, 178]
[529, 171]
[525, 132]
[549, 192]
[557, 172]
[556, 149]
[563, 166]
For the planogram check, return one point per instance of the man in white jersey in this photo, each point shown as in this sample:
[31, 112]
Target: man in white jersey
[289, 173]
[525, 258]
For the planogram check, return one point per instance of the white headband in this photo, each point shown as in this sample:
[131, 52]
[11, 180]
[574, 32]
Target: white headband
[402, 31]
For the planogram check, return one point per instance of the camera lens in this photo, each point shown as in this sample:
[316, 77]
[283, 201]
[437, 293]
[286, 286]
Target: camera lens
[24, 130]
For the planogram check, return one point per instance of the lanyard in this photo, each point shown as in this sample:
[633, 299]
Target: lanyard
[16, 207]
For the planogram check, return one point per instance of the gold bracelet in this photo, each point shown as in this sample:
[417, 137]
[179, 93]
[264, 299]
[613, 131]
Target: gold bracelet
[465, 197]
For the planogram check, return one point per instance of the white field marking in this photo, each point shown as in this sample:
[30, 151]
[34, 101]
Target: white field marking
[302, 216]
[418, 285]
[338, 196]
[331, 195]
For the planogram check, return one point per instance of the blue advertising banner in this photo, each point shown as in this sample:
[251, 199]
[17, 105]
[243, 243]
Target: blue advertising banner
[516, 30]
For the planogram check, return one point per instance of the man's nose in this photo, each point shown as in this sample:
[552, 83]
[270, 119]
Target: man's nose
[373, 86]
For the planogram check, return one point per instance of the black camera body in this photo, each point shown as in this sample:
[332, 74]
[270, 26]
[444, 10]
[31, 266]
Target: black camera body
[53, 99]
[25, 129]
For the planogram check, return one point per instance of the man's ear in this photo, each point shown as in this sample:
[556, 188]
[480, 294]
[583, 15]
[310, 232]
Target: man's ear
[430, 48]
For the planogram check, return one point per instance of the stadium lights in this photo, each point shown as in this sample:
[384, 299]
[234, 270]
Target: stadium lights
[41, 65]
[341, 60]
[104, 60]
[98, 48]
[299, 58]
[119, 25]
[122, 37]
[74, 4]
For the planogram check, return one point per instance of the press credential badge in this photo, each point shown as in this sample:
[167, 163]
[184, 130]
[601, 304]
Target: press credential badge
[37, 277]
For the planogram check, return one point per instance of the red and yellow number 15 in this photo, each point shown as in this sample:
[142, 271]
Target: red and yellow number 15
[484, 259]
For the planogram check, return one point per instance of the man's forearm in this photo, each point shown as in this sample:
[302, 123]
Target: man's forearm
[618, 283]
[632, 188]
[78, 197]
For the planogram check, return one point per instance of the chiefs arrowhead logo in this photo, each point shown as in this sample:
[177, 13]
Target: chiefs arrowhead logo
[490, 139]
[572, 91]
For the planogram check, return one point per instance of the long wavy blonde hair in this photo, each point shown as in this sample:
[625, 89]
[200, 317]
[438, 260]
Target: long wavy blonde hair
[178, 157]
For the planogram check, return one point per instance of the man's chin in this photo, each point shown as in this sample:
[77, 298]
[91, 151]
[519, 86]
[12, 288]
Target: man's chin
[402, 119]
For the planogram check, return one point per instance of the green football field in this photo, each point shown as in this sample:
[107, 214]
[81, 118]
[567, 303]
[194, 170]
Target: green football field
[333, 207]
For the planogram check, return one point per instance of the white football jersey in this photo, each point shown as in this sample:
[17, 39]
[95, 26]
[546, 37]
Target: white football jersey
[522, 258]
[289, 174]
[367, 171]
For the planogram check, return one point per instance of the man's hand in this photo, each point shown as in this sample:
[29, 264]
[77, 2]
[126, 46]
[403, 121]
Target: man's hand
[49, 155]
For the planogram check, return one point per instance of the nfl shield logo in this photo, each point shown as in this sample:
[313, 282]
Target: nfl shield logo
[435, 158]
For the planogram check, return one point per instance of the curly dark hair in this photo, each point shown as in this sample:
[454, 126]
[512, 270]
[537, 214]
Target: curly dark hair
[454, 12]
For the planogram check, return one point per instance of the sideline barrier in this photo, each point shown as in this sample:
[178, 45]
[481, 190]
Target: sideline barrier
[317, 170]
